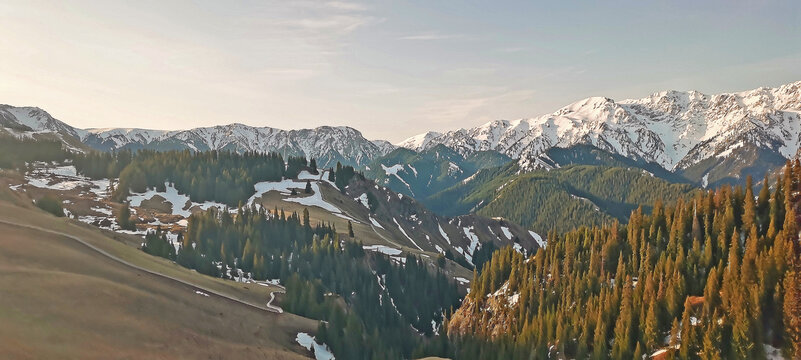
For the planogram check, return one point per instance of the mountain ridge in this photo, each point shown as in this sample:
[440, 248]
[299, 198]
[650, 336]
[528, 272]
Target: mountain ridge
[710, 139]
[675, 129]
[327, 144]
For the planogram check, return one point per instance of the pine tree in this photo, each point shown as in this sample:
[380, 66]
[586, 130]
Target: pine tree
[689, 342]
[749, 217]
[599, 347]
[763, 207]
[350, 229]
[792, 302]
[712, 344]
[624, 327]
[308, 189]
[124, 218]
[675, 333]
[651, 333]
[638, 352]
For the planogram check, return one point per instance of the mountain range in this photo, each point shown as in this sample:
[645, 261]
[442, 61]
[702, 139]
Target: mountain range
[327, 144]
[707, 139]
[682, 131]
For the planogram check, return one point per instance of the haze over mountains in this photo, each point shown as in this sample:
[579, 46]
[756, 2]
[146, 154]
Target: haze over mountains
[687, 132]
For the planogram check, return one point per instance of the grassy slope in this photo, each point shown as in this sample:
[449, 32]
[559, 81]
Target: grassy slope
[61, 299]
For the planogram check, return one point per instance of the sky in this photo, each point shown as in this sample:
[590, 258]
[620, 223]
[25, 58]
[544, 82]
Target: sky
[391, 69]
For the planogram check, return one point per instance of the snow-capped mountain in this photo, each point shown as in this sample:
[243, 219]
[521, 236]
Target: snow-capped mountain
[34, 120]
[706, 138]
[327, 144]
[675, 129]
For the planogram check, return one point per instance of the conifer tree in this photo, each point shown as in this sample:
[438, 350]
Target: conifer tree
[624, 328]
[749, 217]
[599, 347]
[763, 206]
[638, 352]
[675, 333]
[712, 339]
[651, 333]
[792, 302]
[306, 218]
[689, 342]
[124, 218]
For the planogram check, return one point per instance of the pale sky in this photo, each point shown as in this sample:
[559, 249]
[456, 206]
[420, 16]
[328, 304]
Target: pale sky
[391, 69]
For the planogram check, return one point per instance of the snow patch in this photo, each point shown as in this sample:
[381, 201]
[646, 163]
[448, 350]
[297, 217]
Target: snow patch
[321, 351]
[442, 232]
[386, 250]
[542, 243]
[375, 223]
[404, 234]
[506, 232]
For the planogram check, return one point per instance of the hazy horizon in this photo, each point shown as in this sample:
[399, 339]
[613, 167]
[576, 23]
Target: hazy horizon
[374, 66]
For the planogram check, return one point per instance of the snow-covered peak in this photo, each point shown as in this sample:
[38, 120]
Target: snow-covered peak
[419, 141]
[673, 128]
[327, 144]
[35, 119]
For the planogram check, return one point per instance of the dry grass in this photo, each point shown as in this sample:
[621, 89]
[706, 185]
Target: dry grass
[62, 300]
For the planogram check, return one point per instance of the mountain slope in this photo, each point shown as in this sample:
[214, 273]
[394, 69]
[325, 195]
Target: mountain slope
[410, 223]
[560, 197]
[425, 173]
[674, 129]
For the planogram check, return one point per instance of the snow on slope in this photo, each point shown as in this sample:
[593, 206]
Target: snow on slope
[672, 128]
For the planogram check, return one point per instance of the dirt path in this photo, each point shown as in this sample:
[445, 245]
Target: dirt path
[270, 307]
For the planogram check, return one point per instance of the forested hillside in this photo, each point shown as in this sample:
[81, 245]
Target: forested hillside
[560, 198]
[221, 176]
[715, 276]
[373, 308]
[16, 152]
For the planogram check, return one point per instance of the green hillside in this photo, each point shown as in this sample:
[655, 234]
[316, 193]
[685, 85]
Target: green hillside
[559, 198]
